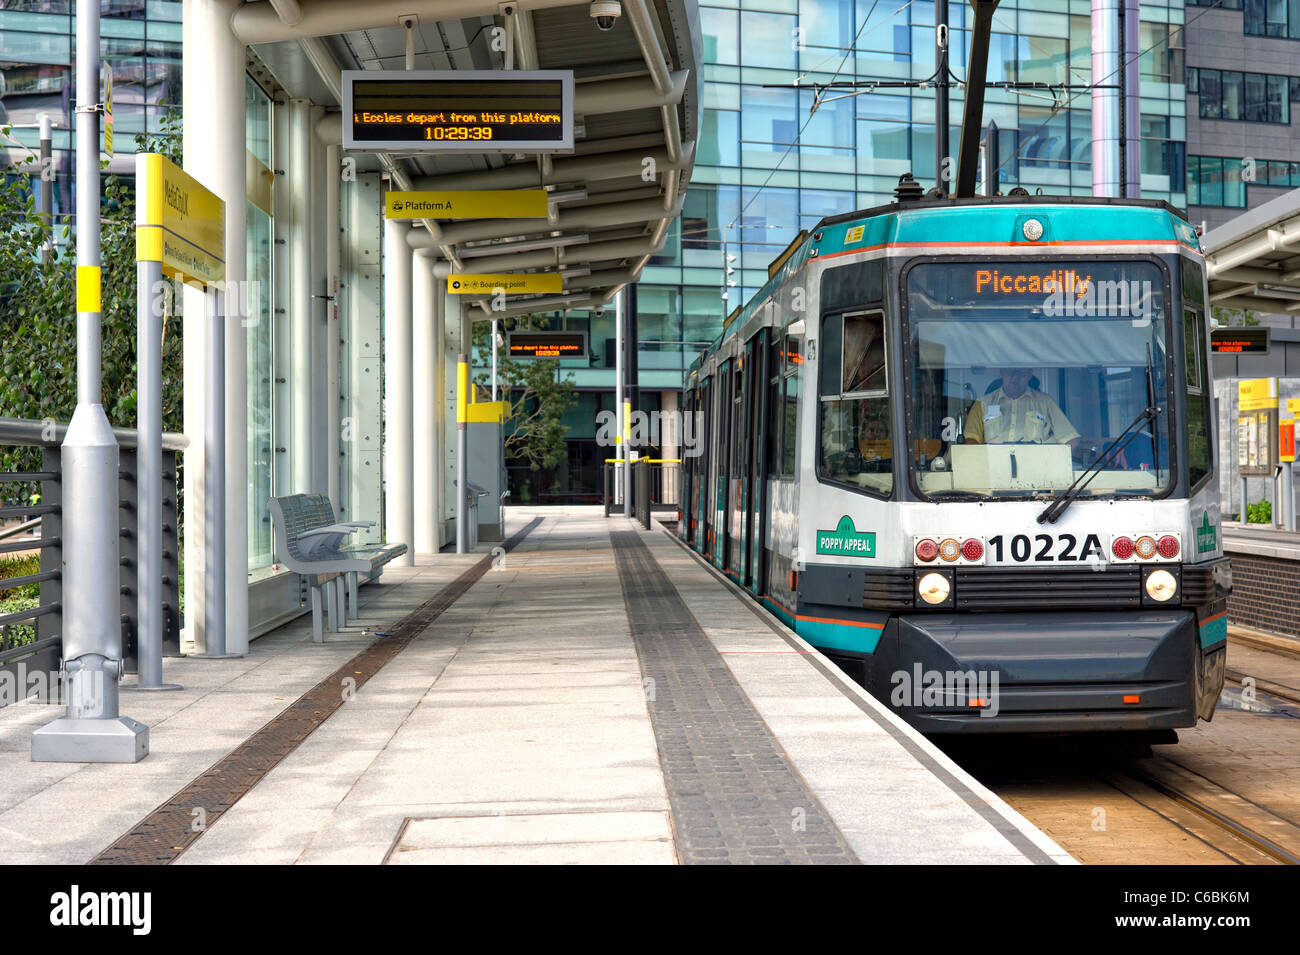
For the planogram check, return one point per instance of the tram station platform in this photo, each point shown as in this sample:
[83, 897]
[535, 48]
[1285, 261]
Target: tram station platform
[589, 693]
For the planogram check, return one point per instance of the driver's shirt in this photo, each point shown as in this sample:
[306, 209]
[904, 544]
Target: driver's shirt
[1033, 417]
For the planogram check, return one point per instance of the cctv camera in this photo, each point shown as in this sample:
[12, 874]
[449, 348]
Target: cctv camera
[605, 12]
[600, 313]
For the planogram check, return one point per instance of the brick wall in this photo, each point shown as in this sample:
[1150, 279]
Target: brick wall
[1265, 593]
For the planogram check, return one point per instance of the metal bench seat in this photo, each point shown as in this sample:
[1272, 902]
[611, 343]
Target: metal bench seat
[310, 540]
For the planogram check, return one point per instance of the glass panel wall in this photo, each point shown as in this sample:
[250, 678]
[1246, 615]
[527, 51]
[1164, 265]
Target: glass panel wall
[260, 342]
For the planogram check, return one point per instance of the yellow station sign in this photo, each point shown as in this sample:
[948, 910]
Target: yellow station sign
[467, 204]
[512, 283]
[178, 222]
[1256, 394]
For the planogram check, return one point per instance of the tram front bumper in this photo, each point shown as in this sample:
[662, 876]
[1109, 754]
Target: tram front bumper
[1042, 672]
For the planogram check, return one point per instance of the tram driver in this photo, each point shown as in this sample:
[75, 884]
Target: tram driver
[1015, 413]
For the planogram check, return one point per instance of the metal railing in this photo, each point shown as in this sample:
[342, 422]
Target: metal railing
[24, 654]
[656, 486]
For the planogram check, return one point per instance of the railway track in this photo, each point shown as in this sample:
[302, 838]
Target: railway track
[1226, 821]
[1255, 641]
[1222, 795]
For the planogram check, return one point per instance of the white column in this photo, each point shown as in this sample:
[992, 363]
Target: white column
[300, 296]
[669, 445]
[399, 476]
[320, 462]
[214, 143]
[424, 337]
[332, 330]
[449, 341]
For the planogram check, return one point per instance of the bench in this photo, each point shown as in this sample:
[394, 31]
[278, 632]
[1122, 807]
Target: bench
[311, 541]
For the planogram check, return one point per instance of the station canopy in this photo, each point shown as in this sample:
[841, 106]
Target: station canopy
[636, 113]
[1253, 261]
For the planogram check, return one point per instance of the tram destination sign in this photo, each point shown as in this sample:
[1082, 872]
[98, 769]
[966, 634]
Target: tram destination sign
[479, 111]
[1240, 341]
[547, 345]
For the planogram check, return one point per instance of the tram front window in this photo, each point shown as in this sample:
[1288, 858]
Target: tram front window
[1023, 373]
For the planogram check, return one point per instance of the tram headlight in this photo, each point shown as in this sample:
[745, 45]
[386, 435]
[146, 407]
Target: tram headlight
[934, 588]
[1161, 585]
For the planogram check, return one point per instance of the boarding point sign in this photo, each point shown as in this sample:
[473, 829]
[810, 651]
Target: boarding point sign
[179, 222]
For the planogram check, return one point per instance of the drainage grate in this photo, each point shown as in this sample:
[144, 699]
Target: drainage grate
[735, 795]
[168, 831]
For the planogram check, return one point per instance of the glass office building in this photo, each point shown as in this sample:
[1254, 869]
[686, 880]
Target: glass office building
[141, 42]
[768, 166]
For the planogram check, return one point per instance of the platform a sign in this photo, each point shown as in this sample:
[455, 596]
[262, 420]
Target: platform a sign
[178, 222]
[512, 283]
[467, 204]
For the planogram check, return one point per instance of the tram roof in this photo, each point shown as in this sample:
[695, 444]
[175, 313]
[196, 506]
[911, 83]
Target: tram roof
[993, 222]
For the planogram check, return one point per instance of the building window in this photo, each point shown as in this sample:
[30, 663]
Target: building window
[1254, 97]
[1222, 181]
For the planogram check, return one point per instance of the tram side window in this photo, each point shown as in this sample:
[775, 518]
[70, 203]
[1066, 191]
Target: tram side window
[790, 408]
[1200, 450]
[855, 446]
[1198, 401]
[775, 408]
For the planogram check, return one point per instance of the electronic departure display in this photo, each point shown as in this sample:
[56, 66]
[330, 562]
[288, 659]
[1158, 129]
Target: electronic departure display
[547, 345]
[458, 110]
[1239, 341]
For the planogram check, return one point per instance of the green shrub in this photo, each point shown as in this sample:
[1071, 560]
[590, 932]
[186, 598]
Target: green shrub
[19, 567]
[1261, 512]
[17, 634]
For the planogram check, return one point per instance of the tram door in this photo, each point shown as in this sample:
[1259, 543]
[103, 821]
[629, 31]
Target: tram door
[706, 468]
[735, 458]
[722, 459]
[755, 443]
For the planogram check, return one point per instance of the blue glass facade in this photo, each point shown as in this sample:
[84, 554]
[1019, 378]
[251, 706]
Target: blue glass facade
[766, 166]
[141, 41]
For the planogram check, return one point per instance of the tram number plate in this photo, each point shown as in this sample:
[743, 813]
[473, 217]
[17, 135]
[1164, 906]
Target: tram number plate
[1044, 548]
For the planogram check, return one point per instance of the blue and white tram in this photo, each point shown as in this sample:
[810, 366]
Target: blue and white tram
[966, 448]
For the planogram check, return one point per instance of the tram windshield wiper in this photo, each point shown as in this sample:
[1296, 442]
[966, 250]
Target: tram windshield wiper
[1063, 500]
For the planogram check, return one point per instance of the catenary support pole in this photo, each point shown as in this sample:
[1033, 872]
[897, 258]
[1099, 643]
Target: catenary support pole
[149, 467]
[1106, 132]
[620, 433]
[462, 448]
[47, 184]
[92, 730]
[941, 94]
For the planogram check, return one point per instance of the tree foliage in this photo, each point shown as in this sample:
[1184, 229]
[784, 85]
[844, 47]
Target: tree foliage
[38, 308]
[538, 392]
[1233, 316]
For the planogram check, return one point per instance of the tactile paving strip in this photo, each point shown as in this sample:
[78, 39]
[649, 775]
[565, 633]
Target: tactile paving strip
[734, 794]
[160, 837]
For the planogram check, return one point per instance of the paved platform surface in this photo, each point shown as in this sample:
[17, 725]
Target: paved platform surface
[597, 695]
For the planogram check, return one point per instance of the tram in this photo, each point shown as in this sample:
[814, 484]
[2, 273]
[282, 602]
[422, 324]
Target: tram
[965, 447]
